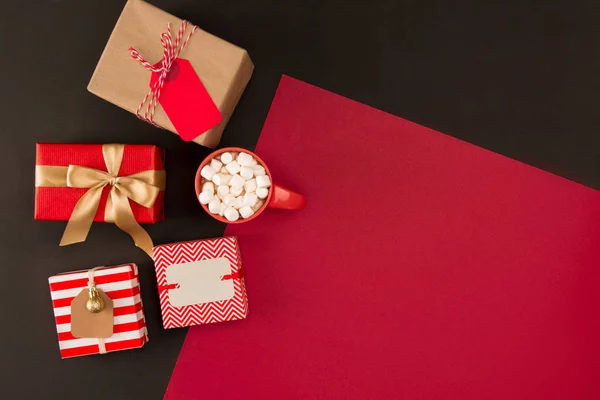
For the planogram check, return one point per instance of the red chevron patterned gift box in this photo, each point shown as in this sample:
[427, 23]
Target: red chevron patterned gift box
[122, 309]
[200, 282]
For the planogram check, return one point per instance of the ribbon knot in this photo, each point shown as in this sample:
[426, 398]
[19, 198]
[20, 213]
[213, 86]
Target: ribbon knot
[113, 180]
[171, 50]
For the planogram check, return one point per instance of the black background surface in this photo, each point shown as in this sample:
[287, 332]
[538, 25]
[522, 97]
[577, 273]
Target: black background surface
[521, 78]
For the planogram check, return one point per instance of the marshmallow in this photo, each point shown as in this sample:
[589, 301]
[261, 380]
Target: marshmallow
[250, 199]
[221, 179]
[231, 214]
[222, 191]
[246, 211]
[235, 185]
[236, 191]
[233, 167]
[258, 205]
[245, 159]
[216, 164]
[246, 173]
[263, 181]
[238, 202]
[206, 196]
[250, 186]
[214, 206]
[259, 170]
[208, 186]
[226, 158]
[208, 172]
[228, 199]
[262, 193]
[237, 181]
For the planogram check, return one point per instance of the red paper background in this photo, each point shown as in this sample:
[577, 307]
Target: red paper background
[422, 268]
[54, 203]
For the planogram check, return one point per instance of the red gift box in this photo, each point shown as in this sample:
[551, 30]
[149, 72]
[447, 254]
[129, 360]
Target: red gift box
[200, 282]
[57, 203]
[121, 284]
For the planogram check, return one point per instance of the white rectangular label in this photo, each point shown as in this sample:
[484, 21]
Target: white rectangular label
[200, 282]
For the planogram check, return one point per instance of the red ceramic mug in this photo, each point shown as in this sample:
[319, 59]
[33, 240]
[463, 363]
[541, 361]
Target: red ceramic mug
[279, 197]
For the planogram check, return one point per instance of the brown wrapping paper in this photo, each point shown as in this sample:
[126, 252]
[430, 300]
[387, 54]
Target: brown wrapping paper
[223, 68]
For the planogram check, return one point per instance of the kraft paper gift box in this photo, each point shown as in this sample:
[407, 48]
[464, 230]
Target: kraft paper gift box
[196, 109]
[121, 285]
[128, 181]
[200, 282]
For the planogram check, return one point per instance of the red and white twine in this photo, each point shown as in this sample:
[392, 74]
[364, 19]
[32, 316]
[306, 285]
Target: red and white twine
[171, 50]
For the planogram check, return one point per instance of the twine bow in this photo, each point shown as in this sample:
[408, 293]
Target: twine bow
[171, 51]
[142, 187]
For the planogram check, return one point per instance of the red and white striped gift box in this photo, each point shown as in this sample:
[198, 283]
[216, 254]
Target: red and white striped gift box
[122, 285]
[192, 255]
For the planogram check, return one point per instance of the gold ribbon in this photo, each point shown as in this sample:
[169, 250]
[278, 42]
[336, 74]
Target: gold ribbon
[142, 187]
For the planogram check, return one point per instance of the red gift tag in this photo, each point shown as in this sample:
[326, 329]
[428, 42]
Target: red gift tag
[185, 100]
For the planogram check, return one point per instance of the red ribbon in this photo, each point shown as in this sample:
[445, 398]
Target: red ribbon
[170, 286]
[234, 275]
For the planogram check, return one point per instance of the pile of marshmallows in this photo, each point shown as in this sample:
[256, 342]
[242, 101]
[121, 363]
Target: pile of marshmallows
[241, 185]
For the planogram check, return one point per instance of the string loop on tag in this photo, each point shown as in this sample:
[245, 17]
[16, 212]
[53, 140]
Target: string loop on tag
[91, 277]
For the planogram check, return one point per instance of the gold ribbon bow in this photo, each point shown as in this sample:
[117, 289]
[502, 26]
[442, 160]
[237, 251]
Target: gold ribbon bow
[142, 187]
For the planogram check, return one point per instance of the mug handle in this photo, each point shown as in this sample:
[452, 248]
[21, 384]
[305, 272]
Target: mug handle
[286, 199]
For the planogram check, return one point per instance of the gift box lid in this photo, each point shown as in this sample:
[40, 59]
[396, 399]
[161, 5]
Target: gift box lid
[121, 284]
[223, 68]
